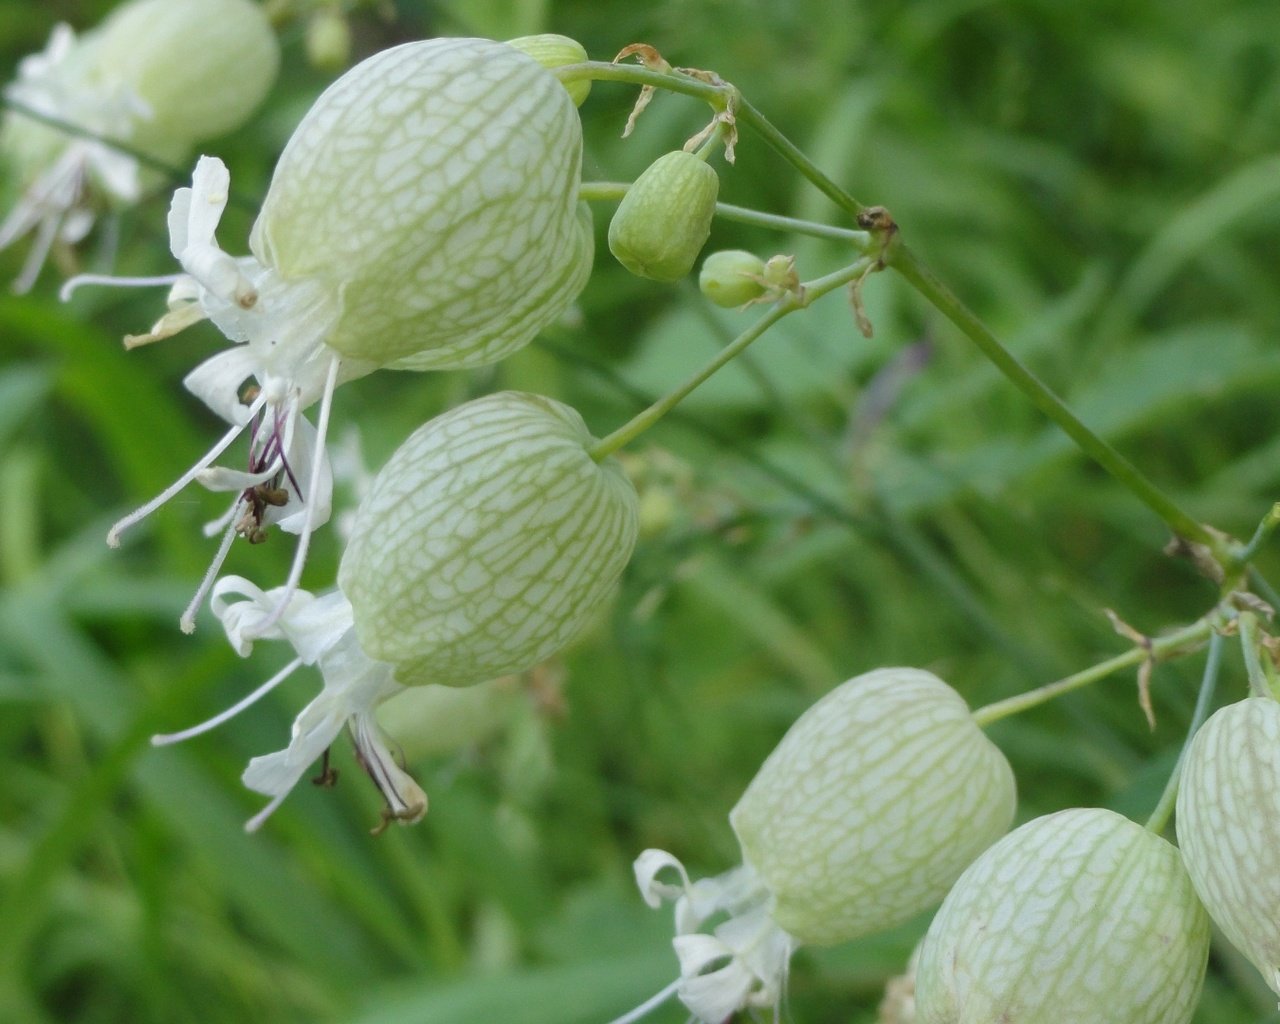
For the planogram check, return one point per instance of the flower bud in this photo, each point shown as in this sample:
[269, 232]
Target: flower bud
[328, 39]
[200, 66]
[731, 277]
[1076, 916]
[874, 802]
[487, 542]
[664, 219]
[1229, 827]
[554, 51]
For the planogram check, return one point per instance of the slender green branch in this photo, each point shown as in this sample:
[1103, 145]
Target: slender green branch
[1265, 528]
[788, 304]
[1258, 685]
[1158, 647]
[1208, 684]
[612, 191]
[633, 74]
[784, 147]
[924, 281]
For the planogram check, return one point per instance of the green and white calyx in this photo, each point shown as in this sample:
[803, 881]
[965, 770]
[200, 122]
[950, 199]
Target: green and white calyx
[872, 805]
[1080, 915]
[1229, 827]
[424, 215]
[485, 545]
[157, 75]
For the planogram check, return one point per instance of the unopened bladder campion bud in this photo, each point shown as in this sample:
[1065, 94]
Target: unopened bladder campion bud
[664, 220]
[424, 215]
[874, 802]
[1080, 915]
[156, 75]
[1228, 820]
[556, 51]
[486, 543]
[732, 277]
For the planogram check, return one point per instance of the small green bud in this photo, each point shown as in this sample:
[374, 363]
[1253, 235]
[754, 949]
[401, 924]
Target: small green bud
[329, 39]
[1229, 827]
[664, 220]
[487, 542]
[554, 51]
[872, 805]
[731, 277]
[1076, 916]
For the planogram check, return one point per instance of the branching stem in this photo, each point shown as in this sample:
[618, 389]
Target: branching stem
[1181, 641]
[789, 303]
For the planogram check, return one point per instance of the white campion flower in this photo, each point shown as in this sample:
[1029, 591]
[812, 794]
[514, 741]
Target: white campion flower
[873, 803]
[424, 215]
[157, 76]
[485, 544]
[1081, 915]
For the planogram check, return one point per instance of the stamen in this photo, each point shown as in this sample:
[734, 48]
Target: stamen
[188, 621]
[163, 740]
[113, 535]
[649, 1005]
[72, 283]
[34, 263]
[313, 490]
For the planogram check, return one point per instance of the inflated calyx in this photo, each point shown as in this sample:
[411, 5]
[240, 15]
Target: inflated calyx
[1229, 827]
[1080, 915]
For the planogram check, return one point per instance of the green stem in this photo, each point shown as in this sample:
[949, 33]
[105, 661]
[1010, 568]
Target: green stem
[1209, 682]
[788, 304]
[1258, 686]
[1157, 648]
[784, 147]
[1265, 528]
[632, 74]
[1120, 468]
[612, 191]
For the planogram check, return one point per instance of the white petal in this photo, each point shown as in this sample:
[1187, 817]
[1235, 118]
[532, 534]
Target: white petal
[714, 998]
[698, 952]
[220, 478]
[217, 380]
[647, 866]
[210, 186]
[179, 222]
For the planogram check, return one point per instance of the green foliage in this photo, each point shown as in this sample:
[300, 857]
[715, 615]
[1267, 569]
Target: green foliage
[1098, 181]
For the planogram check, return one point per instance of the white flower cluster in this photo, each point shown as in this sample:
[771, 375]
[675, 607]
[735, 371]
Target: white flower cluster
[491, 537]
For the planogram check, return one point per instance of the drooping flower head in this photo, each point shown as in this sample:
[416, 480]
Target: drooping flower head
[1081, 915]
[485, 544]
[1229, 827]
[157, 75]
[424, 215]
[874, 802]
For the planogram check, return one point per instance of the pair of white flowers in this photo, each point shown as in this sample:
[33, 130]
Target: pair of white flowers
[424, 215]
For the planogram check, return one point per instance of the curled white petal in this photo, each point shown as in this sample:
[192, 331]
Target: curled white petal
[217, 380]
[647, 867]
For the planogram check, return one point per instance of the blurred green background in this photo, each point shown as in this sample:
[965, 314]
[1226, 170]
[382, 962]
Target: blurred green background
[1099, 181]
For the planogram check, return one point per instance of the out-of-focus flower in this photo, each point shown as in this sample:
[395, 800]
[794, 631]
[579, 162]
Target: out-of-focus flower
[157, 76]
